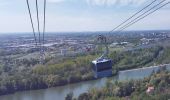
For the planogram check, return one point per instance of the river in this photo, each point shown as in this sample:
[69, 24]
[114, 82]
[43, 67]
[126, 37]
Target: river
[59, 93]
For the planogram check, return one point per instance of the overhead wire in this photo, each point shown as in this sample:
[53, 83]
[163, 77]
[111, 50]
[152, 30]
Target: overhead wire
[121, 29]
[40, 42]
[33, 29]
[38, 23]
[133, 16]
[143, 14]
[140, 18]
[44, 24]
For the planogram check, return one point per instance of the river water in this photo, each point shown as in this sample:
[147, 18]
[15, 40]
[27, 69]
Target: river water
[59, 93]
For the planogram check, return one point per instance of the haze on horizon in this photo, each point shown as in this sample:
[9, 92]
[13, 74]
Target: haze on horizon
[80, 15]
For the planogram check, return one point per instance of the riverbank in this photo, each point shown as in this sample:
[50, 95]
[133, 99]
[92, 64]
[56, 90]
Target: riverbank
[63, 71]
[77, 88]
[155, 87]
[121, 75]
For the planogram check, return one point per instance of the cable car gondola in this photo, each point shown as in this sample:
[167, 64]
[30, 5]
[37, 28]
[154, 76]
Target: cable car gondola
[102, 66]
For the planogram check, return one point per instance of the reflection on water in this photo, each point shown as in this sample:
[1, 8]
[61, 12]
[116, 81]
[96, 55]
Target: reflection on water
[59, 93]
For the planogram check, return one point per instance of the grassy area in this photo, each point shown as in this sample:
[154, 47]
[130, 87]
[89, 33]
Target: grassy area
[116, 49]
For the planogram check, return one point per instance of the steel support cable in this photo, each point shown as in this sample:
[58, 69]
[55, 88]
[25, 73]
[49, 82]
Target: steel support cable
[33, 29]
[44, 25]
[42, 54]
[133, 15]
[38, 23]
[142, 14]
[145, 16]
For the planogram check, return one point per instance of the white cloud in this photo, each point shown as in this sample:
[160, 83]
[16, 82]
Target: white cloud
[19, 22]
[55, 1]
[56, 23]
[115, 2]
[3, 3]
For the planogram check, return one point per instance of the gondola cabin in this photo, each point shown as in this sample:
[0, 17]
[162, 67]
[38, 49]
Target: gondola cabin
[102, 68]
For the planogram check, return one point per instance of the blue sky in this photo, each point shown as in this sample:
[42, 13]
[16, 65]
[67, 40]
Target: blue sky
[80, 15]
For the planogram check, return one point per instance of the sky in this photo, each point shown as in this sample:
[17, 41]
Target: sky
[79, 15]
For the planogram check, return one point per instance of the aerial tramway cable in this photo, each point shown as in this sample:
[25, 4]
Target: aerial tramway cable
[133, 16]
[38, 23]
[44, 24]
[159, 5]
[42, 50]
[143, 14]
[33, 29]
[140, 16]
[41, 41]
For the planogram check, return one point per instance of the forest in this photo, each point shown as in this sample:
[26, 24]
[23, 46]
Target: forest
[158, 82]
[19, 75]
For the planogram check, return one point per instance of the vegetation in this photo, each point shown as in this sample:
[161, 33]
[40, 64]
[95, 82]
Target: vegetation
[133, 90]
[64, 72]
[136, 58]
[26, 74]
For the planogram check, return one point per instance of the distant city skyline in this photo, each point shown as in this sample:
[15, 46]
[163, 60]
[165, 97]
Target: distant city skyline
[80, 15]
